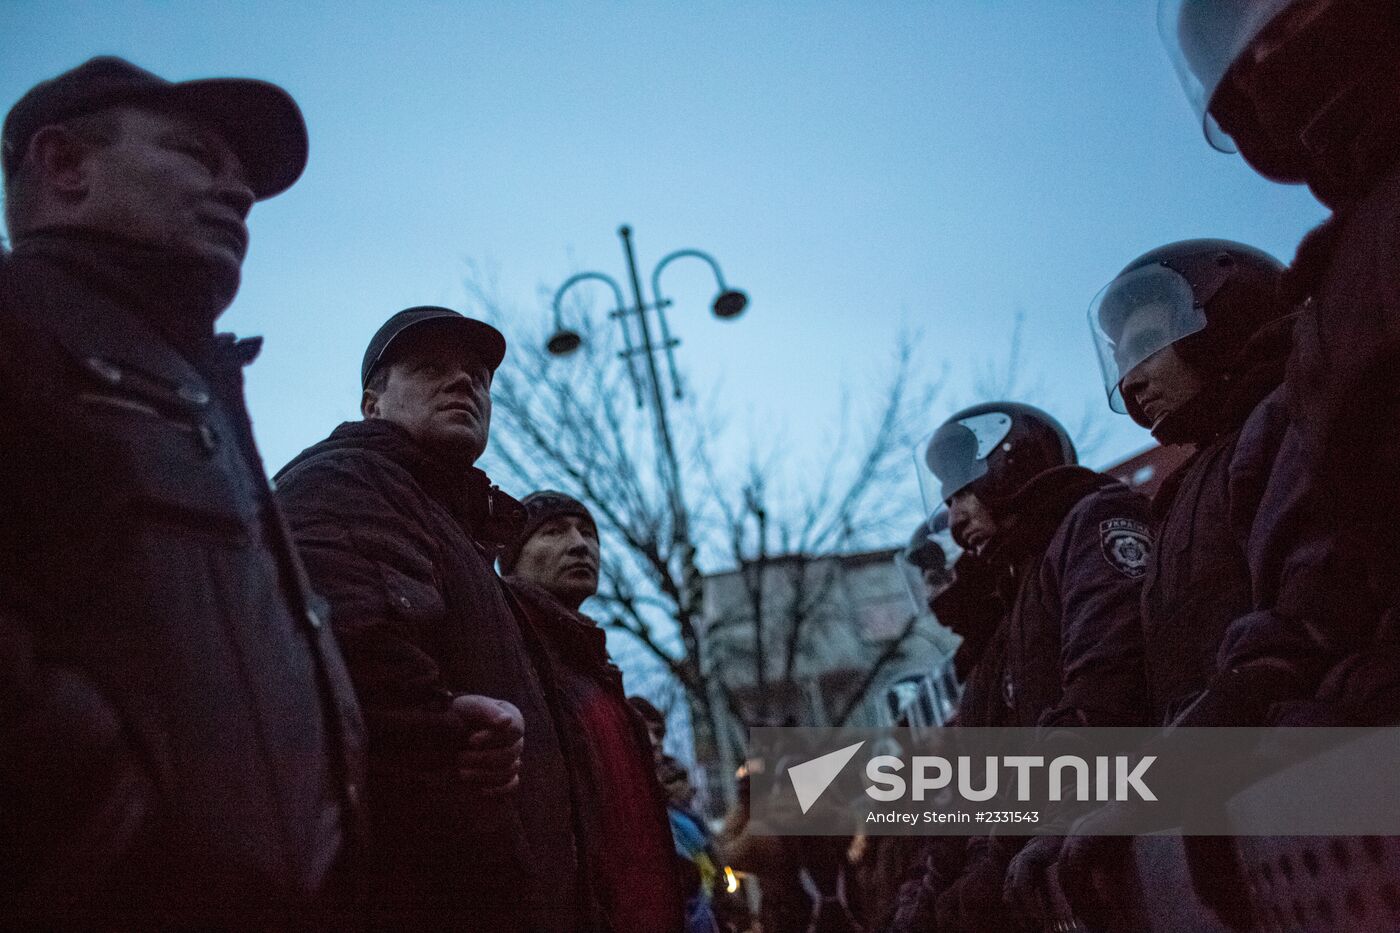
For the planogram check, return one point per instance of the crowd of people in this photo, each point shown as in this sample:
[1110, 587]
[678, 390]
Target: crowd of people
[363, 696]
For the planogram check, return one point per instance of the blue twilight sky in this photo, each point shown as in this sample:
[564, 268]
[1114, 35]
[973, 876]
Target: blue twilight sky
[857, 167]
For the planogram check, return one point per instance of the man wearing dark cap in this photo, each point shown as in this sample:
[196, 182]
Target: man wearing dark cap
[471, 800]
[552, 567]
[180, 738]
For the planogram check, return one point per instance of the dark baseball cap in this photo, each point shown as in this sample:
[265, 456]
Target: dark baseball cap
[480, 338]
[259, 121]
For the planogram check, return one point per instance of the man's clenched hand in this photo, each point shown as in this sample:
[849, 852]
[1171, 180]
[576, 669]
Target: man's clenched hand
[491, 761]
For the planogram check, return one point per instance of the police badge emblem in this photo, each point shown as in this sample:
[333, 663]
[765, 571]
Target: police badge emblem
[1126, 545]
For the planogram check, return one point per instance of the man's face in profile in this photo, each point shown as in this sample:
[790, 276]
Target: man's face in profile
[439, 392]
[172, 182]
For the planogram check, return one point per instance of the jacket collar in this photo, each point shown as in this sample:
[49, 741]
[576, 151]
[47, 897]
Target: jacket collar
[1041, 506]
[179, 295]
[572, 634]
[489, 515]
[87, 292]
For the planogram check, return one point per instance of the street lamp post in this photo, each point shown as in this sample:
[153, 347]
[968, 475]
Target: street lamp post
[728, 303]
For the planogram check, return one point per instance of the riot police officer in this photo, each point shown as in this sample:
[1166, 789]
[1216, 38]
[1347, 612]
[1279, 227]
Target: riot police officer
[1192, 338]
[969, 602]
[1306, 91]
[1073, 545]
[926, 558]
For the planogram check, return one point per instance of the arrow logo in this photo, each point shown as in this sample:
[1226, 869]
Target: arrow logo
[811, 778]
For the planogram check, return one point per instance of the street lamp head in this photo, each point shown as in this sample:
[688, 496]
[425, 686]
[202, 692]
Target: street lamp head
[563, 342]
[730, 303]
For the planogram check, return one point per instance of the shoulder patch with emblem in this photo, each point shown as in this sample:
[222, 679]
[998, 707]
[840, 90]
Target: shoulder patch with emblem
[1127, 545]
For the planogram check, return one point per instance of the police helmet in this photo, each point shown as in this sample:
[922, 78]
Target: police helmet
[1318, 59]
[995, 449]
[1204, 38]
[1205, 297]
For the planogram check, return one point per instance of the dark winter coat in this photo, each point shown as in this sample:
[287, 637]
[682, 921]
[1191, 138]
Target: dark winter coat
[1325, 550]
[1072, 645]
[179, 734]
[1198, 582]
[1073, 636]
[395, 542]
[625, 829]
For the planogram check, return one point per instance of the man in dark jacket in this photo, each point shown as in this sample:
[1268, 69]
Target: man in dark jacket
[398, 531]
[1192, 338]
[552, 567]
[1074, 545]
[1306, 91]
[180, 739]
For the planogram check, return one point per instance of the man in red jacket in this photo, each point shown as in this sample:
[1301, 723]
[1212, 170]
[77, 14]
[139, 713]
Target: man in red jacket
[551, 568]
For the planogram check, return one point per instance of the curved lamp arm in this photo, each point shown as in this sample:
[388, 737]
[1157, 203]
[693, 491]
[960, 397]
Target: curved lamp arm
[620, 313]
[662, 303]
[681, 254]
[573, 280]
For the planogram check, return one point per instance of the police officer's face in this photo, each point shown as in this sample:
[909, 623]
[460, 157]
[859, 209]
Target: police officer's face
[1284, 84]
[971, 522]
[562, 557]
[174, 183]
[438, 392]
[1163, 382]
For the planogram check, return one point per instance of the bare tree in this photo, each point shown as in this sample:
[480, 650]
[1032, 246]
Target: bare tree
[577, 425]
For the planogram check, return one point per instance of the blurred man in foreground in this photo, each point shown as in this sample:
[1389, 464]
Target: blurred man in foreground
[180, 740]
[1306, 91]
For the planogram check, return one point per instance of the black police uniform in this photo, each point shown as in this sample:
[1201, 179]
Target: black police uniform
[1073, 641]
[1325, 549]
[1198, 581]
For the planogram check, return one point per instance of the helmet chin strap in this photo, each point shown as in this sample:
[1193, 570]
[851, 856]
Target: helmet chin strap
[994, 551]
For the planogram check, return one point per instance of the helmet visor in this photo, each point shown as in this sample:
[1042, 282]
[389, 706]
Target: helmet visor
[1134, 316]
[933, 550]
[956, 455]
[1203, 39]
[913, 579]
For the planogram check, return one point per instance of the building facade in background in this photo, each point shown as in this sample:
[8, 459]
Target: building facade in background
[842, 644]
